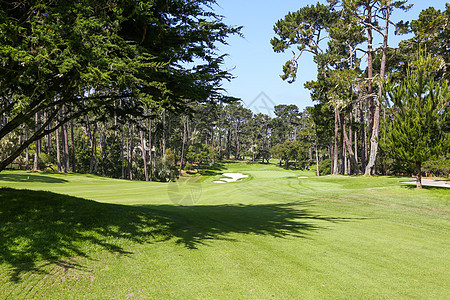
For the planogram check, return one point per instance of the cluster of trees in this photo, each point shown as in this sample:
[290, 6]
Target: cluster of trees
[106, 69]
[132, 89]
[355, 99]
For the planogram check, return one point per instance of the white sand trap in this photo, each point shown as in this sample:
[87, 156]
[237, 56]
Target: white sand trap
[303, 177]
[230, 177]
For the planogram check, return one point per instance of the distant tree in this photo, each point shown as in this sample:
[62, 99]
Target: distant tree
[201, 154]
[417, 130]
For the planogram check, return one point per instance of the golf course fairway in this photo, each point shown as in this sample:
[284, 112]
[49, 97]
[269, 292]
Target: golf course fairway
[270, 235]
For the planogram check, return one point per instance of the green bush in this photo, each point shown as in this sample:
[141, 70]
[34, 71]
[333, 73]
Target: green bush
[325, 167]
[45, 161]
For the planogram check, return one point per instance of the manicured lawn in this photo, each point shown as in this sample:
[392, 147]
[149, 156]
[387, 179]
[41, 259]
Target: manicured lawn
[269, 236]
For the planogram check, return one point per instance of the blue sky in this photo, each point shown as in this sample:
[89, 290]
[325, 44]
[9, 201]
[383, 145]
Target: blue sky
[257, 67]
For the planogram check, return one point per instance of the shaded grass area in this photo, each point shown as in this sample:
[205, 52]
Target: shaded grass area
[30, 177]
[38, 225]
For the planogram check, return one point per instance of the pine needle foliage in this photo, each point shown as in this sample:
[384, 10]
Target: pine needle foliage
[417, 131]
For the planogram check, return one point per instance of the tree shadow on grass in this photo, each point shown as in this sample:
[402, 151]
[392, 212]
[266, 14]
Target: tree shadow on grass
[424, 187]
[37, 226]
[215, 169]
[30, 177]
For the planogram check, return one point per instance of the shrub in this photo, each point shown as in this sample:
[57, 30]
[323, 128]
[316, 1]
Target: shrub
[325, 167]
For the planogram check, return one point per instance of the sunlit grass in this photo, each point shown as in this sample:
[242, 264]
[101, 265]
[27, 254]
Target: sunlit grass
[271, 235]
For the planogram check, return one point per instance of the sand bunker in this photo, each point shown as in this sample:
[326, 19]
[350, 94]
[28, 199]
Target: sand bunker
[303, 177]
[230, 177]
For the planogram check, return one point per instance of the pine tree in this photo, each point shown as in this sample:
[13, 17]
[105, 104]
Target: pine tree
[417, 130]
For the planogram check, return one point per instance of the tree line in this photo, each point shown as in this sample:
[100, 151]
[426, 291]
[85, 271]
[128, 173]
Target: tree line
[133, 89]
[357, 71]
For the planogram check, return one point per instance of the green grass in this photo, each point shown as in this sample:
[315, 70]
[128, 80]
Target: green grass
[269, 236]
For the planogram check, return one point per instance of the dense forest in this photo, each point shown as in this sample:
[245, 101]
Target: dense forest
[132, 90]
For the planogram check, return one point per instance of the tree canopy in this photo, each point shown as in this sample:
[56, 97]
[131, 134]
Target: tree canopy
[90, 55]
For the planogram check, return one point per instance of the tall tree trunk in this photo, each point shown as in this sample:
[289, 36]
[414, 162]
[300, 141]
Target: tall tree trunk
[37, 146]
[345, 160]
[63, 157]
[93, 160]
[72, 137]
[27, 154]
[115, 118]
[58, 151]
[164, 132]
[336, 142]
[150, 145]
[370, 168]
[341, 144]
[65, 136]
[183, 145]
[130, 170]
[363, 134]
[144, 154]
[370, 69]
[122, 154]
[236, 137]
[101, 139]
[331, 151]
[317, 158]
[228, 143]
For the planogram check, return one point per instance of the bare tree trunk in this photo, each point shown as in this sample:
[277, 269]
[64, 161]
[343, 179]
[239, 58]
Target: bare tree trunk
[115, 119]
[72, 137]
[228, 143]
[345, 159]
[331, 150]
[93, 160]
[370, 69]
[164, 132]
[101, 138]
[65, 137]
[150, 145]
[122, 154]
[317, 158]
[27, 154]
[37, 146]
[363, 135]
[130, 169]
[58, 151]
[370, 168]
[236, 137]
[183, 145]
[341, 144]
[336, 142]
[144, 154]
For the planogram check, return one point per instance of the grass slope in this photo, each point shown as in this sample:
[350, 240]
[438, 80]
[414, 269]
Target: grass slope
[271, 235]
